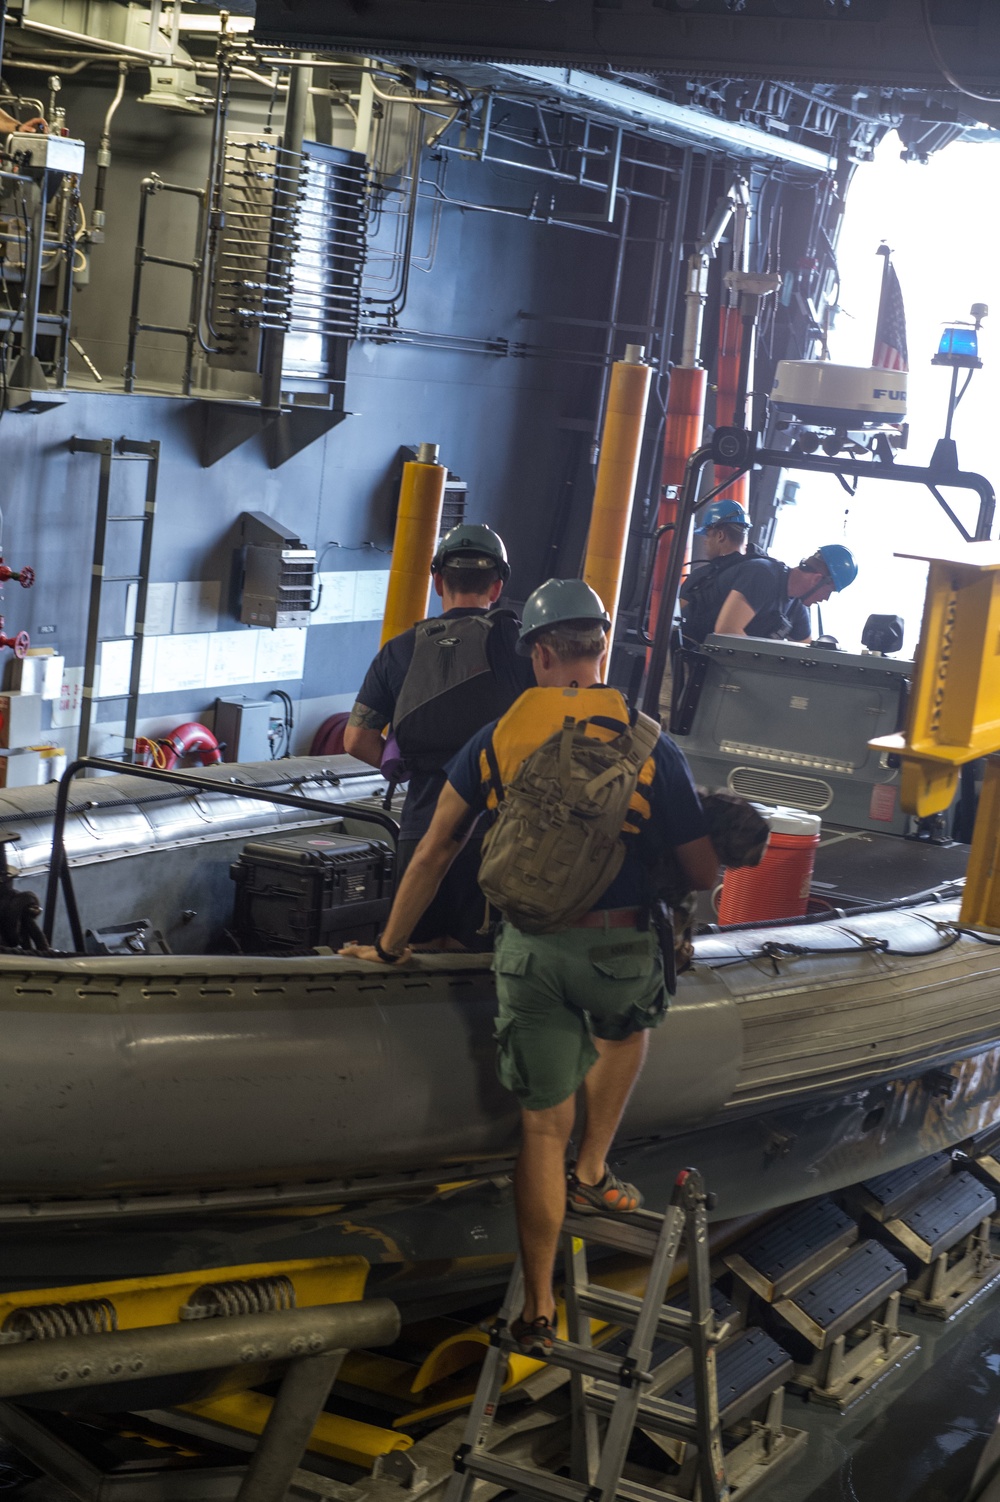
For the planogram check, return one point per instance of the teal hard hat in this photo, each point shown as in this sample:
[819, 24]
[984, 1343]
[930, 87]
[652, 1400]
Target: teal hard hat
[471, 545]
[840, 564]
[723, 514]
[560, 602]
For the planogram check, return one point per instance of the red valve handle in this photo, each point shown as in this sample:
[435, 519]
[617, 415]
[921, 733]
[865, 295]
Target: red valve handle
[25, 576]
[19, 644]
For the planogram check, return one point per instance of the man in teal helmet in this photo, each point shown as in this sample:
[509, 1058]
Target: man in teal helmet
[434, 686]
[575, 1004]
[725, 531]
[764, 594]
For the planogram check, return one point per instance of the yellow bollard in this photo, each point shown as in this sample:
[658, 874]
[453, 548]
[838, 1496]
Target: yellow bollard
[418, 522]
[617, 471]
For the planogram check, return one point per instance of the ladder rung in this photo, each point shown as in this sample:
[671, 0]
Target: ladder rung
[122, 578]
[591, 1363]
[525, 1480]
[637, 1233]
[130, 516]
[655, 1413]
[624, 1309]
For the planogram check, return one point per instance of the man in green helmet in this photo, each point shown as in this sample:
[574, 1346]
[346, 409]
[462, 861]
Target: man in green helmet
[575, 1004]
[435, 686]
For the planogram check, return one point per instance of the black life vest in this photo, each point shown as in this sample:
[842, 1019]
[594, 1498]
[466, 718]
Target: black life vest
[707, 590]
[449, 691]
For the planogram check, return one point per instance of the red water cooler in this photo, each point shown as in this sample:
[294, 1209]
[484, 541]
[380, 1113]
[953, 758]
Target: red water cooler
[779, 886]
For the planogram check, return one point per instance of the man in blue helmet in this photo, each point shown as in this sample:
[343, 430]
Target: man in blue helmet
[435, 686]
[765, 595]
[575, 1004]
[725, 529]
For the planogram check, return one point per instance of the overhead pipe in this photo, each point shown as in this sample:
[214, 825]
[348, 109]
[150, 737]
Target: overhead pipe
[617, 471]
[418, 523]
[104, 149]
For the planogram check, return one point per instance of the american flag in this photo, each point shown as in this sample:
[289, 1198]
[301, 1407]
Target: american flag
[890, 329]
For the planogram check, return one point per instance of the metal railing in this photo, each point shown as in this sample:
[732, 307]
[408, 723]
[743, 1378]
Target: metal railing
[59, 873]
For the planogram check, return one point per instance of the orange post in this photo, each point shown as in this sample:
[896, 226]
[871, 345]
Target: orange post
[617, 471]
[681, 436]
[418, 522]
[727, 385]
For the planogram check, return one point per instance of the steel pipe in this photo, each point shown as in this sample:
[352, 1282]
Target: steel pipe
[166, 1350]
[300, 1401]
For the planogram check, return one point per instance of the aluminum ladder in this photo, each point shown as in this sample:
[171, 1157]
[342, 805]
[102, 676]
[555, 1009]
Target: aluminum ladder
[112, 451]
[603, 1383]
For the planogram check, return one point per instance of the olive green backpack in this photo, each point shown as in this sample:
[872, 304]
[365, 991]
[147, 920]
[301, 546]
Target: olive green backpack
[556, 845]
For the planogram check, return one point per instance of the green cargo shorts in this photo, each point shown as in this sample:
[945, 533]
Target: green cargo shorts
[557, 992]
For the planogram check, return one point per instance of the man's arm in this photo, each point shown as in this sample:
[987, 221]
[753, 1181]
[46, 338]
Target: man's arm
[8, 124]
[735, 615]
[363, 735]
[699, 863]
[449, 830]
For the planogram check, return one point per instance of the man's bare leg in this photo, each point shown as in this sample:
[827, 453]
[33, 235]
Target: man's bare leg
[607, 1088]
[540, 1200]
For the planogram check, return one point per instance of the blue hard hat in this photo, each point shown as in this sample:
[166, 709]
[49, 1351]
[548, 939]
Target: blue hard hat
[560, 602]
[840, 564]
[722, 514]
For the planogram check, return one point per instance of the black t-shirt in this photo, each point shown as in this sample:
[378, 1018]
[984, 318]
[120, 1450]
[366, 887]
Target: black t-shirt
[763, 583]
[705, 592]
[385, 678]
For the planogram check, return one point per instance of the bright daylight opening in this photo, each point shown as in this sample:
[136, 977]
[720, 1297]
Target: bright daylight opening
[946, 260]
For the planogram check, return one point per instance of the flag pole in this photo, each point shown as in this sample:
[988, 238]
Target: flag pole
[885, 252]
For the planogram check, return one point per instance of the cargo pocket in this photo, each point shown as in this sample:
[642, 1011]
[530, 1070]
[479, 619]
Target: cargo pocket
[511, 1070]
[622, 966]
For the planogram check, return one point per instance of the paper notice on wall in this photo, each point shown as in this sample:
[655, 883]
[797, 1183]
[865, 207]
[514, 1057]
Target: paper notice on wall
[196, 605]
[181, 663]
[115, 670]
[159, 609]
[66, 709]
[147, 668]
[336, 601]
[232, 658]
[281, 654]
[370, 590]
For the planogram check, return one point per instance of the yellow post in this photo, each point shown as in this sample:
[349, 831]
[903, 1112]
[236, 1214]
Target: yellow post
[418, 521]
[981, 898]
[617, 470]
[954, 713]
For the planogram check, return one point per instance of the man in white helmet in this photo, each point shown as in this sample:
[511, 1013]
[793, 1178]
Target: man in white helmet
[435, 685]
[576, 1004]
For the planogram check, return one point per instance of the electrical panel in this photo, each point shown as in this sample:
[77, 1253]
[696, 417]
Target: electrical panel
[278, 574]
[243, 728]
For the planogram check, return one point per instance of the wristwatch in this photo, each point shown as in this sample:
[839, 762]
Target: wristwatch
[386, 955]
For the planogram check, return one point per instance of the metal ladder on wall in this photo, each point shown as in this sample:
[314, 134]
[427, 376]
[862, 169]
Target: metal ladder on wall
[609, 1384]
[114, 451]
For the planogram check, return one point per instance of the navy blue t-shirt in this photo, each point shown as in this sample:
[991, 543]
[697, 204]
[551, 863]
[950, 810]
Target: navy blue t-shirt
[763, 583]
[385, 679]
[665, 810]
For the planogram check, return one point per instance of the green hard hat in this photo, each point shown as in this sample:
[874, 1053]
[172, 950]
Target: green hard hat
[560, 602]
[471, 545]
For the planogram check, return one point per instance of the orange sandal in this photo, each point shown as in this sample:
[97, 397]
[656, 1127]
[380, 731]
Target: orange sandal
[612, 1196]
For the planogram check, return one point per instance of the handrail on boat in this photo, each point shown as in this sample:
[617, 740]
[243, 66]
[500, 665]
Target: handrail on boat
[59, 872]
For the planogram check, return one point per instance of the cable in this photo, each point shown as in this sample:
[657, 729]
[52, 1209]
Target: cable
[935, 51]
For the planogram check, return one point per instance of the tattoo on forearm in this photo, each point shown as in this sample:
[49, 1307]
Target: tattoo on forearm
[368, 719]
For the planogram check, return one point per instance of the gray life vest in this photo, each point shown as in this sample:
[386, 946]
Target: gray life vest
[449, 691]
